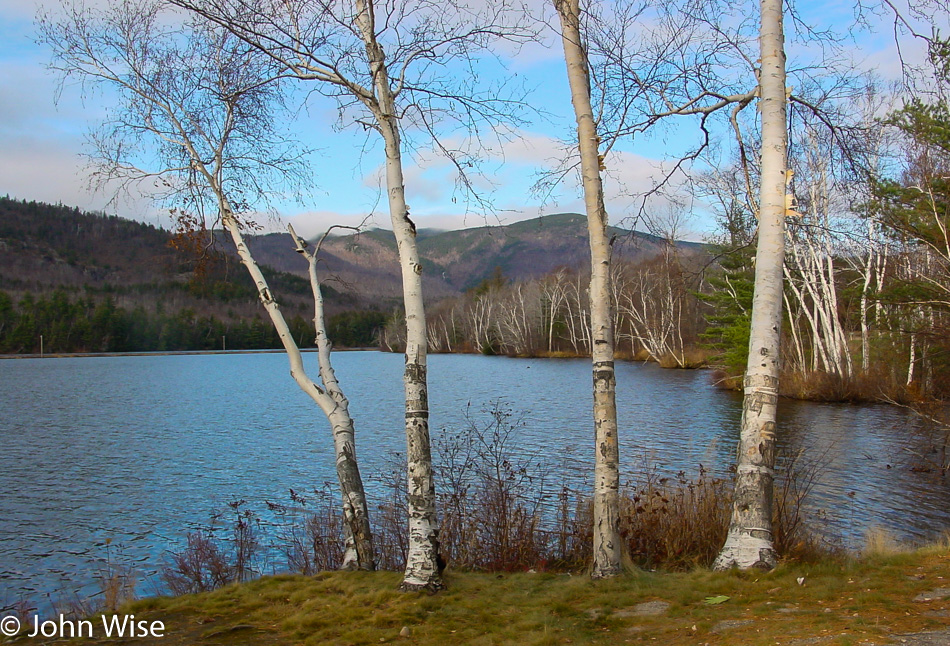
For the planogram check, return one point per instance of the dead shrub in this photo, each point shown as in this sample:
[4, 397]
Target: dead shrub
[200, 567]
[116, 581]
[500, 512]
[491, 496]
[795, 535]
[573, 532]
[208, 562]
[313, 542]
[676, 523]
[392, 517]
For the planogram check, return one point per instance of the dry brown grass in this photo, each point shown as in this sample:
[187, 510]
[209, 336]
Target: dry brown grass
[690, 359]
[873, 386]
[879, 542]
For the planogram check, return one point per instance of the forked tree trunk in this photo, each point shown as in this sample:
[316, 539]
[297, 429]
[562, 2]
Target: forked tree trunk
[608, 546]
[750, 540]
[359, 553]
[422, 563]
[357, 531]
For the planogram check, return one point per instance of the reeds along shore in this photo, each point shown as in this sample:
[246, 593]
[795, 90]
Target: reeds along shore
[501, 511]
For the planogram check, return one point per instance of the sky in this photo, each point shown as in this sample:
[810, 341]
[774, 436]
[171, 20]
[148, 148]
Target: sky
[44, 123]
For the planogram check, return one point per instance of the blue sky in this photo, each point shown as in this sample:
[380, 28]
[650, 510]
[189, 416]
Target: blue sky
[42, 133]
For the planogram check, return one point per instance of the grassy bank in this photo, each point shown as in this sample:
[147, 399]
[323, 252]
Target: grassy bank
[865, 601]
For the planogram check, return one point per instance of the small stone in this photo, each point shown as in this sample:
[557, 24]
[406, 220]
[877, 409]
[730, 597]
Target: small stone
[933, 595]
[405, 632]
[729, 624]
[648, 609]
[939, 638]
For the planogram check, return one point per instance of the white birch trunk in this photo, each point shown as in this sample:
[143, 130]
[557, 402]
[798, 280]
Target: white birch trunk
[422, 563]
[553, 292]
[359, 545]
[867, 275]
[608, 547]
[359, 552]
[911, 359]
[796, 339]
[750, 540]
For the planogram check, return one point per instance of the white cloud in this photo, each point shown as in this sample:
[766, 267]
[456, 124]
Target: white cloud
[311, 224]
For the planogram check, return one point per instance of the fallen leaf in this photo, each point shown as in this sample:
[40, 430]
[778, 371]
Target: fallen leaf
[712, 601]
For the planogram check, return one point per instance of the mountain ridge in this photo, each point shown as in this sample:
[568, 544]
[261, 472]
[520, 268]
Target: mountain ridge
[458, 260]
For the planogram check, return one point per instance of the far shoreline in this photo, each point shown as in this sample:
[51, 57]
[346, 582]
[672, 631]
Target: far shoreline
[161, 353]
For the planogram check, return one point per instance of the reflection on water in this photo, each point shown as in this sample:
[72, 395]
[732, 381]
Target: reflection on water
[139, 449]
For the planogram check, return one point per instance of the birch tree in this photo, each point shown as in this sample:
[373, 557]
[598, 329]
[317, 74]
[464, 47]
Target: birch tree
[193, 127]
[389, 66]
[608, 545]
[749, 542]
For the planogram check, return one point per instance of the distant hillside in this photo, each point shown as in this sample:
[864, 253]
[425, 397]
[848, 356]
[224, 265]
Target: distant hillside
[454, 261]
[89, 282]
[46, 246]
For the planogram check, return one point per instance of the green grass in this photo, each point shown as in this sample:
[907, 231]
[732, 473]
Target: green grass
[841, 602]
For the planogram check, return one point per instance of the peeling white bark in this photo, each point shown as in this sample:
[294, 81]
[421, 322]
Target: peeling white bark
[608, 546]
[358, 553]
[422, 563]
[750, 541]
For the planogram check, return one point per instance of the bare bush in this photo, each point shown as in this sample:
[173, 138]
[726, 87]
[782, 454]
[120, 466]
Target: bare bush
[208, 562]
[676, 523]
[493, 495]
[502, 512]
[200, 567]
[314, 541]
[392, 517]
[116, 580]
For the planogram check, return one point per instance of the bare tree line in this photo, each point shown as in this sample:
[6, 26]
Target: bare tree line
[655, 304]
